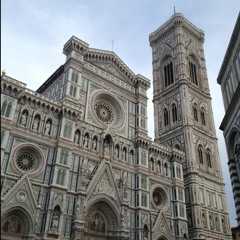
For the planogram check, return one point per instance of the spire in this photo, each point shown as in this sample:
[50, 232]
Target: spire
[174, 11]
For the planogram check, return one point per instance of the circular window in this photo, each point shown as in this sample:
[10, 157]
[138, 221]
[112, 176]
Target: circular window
[159, 197]
[104, 111]
[107, 109]
[25, 161]
[28, 159]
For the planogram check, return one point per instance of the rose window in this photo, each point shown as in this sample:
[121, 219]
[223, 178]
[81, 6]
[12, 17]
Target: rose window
[107, 110]
[29, 159]
[25, 161]
[159, 197]
[104, 112]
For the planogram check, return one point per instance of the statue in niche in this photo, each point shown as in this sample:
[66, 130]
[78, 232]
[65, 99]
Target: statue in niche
[106, 147]
[117, 152]
[85, 143]
[47, 128]
[36, 123]
[76, 137]
[24, 119]
[94, 144]
[55, 220]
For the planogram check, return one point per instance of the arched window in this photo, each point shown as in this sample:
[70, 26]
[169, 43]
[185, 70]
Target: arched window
[193, 72]
[60, 177]
[131, 157]
[124, 154]
[159, 166]
[195, 113]
[166, 169]
[74, 91]
[174, 113]
[9, 106]
[4, 106]
[151, 164]
[67, 130]
[74, 77]
[200, 154]
[208, 158]
[168, 74]
[165, 116]
[203, 116]
[71, 90]
[6, 109]
[117, 151]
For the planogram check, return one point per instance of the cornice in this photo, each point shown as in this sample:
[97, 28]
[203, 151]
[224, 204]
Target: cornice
[177, 20]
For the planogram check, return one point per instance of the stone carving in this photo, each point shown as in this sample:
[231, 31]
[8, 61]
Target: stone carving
[47, 128]
[36, 123]
[94, 144]
[24, 119]
[104, 186]
[85, 143]
[58, 199]
[55, 222]
[106, 147]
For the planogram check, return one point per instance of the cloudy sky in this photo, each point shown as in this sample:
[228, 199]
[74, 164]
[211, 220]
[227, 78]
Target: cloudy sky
[34, 32]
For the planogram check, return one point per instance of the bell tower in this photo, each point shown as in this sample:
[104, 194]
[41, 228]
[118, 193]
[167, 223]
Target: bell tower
[183, 119]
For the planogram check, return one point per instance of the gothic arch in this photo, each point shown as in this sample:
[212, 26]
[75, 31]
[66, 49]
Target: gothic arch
[16, 223]
[232, 141]
[102, 216]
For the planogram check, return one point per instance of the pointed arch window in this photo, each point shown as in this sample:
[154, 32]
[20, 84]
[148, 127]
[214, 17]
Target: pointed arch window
[159, 167]
[200, 155]
[168, 74]
[166, 169]
[151, 164]
[74, 91]
[195, 113]
[174, 113]
[208, 158]
[6, 108]
[71, 90]
[203, 117]
[165, 116]
[193, 72]
[74, 77]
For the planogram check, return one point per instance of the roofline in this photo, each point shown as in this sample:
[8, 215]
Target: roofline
[230, 48]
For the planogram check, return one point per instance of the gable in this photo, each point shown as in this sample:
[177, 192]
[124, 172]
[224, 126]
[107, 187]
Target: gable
[161, 227]
[20, 195]
[103, 183]
[110, 63]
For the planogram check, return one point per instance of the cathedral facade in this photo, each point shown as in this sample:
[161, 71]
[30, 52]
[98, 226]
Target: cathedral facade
[77, 161]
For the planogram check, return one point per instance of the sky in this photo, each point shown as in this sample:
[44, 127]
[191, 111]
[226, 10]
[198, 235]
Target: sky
[33, 33]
